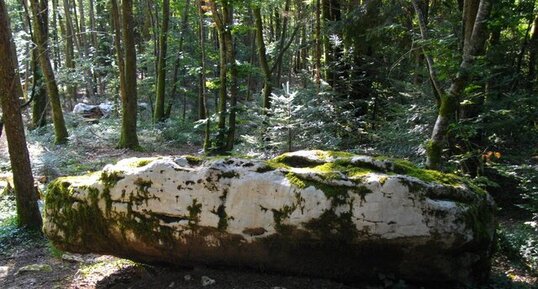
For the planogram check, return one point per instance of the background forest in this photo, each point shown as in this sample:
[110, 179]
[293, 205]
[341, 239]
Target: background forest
[451, 85]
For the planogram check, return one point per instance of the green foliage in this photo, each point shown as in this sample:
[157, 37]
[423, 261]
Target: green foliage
[520, 242]
[13, 237]
[300, 120]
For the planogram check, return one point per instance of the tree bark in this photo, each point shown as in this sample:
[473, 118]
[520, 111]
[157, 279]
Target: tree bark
[264, 65]
[10, 87]
[449, 100]
[282, 40]
[55, 47]
[533, 52]
[90, 85]
[231, 63]
[219, 19]
[39, 11]
[184, 26]
[317, 51]
[39, 89]
[202, 93]
[159, 115]
[93, 32]
[69, 49]
[128, 137]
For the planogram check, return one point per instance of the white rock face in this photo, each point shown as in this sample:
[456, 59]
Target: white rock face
[292, 211]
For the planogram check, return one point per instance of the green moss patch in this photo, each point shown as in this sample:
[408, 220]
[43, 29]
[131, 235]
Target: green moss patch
[80, 222]
[335, 227]
[193, 160]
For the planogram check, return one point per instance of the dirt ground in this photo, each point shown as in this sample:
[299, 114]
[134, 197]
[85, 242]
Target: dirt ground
[28, 261]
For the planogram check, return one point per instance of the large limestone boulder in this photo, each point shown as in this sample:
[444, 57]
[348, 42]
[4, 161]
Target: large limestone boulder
[325, 214]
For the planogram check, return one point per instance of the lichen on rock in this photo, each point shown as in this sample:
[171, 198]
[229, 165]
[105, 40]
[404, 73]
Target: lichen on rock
[328, 214]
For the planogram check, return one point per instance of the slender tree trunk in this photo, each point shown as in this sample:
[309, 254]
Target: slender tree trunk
[262, 58]
[69, 50]
[40, 31]
[234, 86]
[39, 89]
[282, 40]
[93, 32]
[159, 115]
[449, 100]
[85, 43]
[39, 93]
[129, 138]
[10, 87]
[55, 47]
[219, 18]
[533, 52]
[116, 26]
[184, 26]
[202, 94]
[317, 51]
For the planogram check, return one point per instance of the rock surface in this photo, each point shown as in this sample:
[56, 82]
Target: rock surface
[325, 214]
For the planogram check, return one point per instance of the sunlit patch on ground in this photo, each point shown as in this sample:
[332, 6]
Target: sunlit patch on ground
[102, 269]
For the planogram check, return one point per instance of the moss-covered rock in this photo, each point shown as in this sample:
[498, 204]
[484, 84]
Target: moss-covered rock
[328, 214]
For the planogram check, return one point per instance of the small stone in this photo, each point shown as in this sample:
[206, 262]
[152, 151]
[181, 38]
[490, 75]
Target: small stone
[187, 277]
[72, 258]
[35, 268]
[3, 271]
[171, 285]
[206, 281]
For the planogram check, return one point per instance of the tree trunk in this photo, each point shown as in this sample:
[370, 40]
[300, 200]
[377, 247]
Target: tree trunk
[317, 39]
[39, 94]
[449, 100]
[90, 85]
[219, 19]
[40, 19]
[202, 94]
[282, 40]
[184, 26]
[69, 50]
[10, 87]
[159, 115]
[264, 65]
[128, 138]
[231, 63]
[55, 49]
[93, 32]
[533, 52]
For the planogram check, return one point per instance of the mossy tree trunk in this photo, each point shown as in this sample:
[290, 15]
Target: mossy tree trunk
[159, 114]
[39, 94]
[10, 88]
[128, 137]
[39, 13]
[449, 100]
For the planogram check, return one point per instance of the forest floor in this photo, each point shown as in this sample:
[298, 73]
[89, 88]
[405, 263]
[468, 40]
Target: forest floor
[27, 260]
